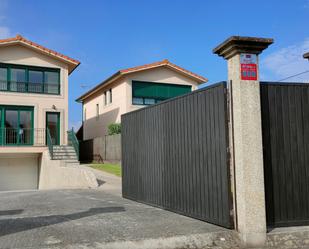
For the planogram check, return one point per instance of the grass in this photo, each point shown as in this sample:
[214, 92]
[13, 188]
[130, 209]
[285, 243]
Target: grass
[114, 169]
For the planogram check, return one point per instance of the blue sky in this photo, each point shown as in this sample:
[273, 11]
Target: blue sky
[110, 35]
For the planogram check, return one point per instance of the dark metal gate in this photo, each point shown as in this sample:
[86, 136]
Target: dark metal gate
[174, 155]
[285, 122]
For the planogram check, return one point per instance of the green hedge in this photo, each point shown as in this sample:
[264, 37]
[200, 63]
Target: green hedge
[114, 129]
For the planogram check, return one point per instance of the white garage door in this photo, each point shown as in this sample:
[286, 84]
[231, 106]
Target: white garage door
[18, 173]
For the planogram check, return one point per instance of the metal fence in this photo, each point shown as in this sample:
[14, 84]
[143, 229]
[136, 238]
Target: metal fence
[174, 155]
[285, 123]
[29, 87]
[20, 137]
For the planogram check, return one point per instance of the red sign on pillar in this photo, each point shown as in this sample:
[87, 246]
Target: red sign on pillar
[248, 66]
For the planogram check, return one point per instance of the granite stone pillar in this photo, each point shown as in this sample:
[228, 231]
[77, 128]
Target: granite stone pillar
[241, 54]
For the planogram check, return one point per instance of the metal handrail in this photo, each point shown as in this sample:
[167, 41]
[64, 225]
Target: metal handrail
[29, 87]
[73, 139]
[50, 145]
[22, 137]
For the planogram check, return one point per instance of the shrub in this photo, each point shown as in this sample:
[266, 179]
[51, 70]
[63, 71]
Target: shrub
[114, 129]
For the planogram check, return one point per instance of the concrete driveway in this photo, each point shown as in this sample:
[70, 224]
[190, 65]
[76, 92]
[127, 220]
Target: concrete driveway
[97, 219]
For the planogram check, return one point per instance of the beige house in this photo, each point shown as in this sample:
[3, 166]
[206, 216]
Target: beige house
[130, 89]
[33, 114]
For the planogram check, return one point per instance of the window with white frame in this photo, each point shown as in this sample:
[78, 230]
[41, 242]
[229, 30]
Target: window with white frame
[108, 97]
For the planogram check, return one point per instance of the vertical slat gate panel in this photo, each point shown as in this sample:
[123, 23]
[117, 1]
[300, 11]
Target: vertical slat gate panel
[175, 155]
[285, 127]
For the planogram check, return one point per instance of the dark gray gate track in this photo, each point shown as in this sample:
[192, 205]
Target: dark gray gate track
[174, 155]
[285, 122]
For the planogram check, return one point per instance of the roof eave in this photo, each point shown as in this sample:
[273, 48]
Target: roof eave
[164, 63]
[99, 86]
[200, 80]
[74, 64]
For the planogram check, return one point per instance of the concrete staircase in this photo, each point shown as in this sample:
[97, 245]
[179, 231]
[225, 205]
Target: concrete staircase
[65, 153]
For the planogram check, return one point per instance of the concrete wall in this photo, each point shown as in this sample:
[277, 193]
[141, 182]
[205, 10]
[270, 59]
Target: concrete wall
[122, 99]
[42, 103]
[36, 170]
[108, 148]
[54, 175]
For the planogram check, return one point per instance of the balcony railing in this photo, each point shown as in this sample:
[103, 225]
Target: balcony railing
[22, 137]
[28, 87]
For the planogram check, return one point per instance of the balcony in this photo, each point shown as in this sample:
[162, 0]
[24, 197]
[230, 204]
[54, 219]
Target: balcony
[22, 137]
[28, 87]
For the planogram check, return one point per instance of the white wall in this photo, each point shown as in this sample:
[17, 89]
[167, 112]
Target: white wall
[97, 126]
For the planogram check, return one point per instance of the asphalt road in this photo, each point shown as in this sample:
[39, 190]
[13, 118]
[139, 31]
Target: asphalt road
[86, 219]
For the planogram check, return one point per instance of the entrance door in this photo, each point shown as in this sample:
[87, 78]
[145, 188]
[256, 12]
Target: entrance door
[53, 124]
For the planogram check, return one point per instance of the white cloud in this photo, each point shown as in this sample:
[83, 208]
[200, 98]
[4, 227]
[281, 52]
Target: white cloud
[288, 61]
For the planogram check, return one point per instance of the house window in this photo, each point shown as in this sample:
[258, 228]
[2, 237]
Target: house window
[110, 96]
[149, 101]
[35, 81]
[20, 78]
[3, 79]
[17, 125]
[138, 101]
[98, 111]
[51, 82]
[105, 98]
[149, 93]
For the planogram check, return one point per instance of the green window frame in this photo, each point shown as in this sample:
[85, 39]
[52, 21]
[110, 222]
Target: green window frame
[44, 87]
[149, 93]
[14, 135]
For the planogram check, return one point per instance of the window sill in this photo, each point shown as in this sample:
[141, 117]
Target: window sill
[107, 105]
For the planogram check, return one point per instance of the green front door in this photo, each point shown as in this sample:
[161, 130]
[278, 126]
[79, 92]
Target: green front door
[53, 125]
